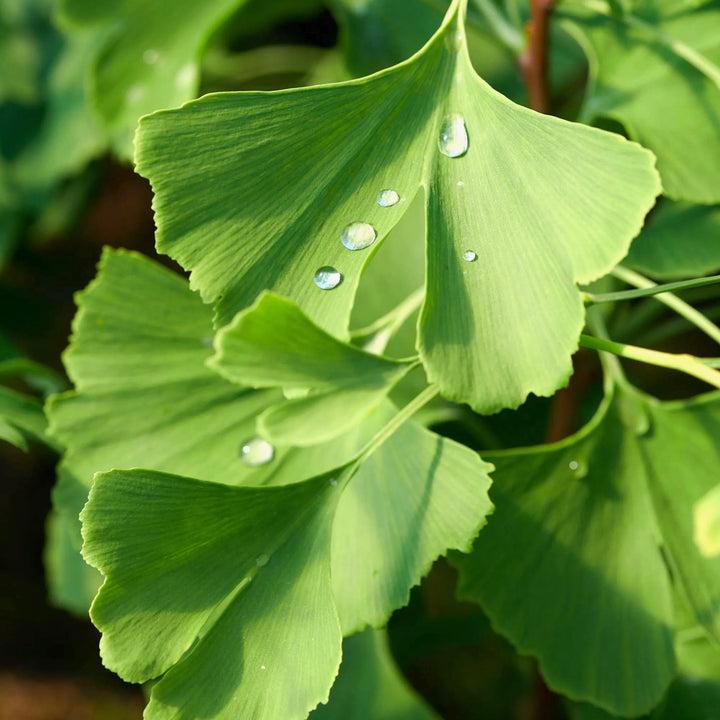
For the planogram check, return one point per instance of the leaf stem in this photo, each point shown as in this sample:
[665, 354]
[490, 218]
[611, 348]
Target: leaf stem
[397, 420]
[647, 287]
[505, 32]
[672, 301]
[534, 61]
[688, 364]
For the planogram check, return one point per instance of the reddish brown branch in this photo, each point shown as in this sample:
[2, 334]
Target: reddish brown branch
[534, 61]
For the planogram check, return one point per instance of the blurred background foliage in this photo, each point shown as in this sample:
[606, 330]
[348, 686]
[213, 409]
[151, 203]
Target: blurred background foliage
[76, 76]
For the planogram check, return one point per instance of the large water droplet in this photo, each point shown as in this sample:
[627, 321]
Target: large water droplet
[358, 236]
[388, 198]
[256, 451]
[470, 256]
[453, 138]
[327, 278]
[262, 560]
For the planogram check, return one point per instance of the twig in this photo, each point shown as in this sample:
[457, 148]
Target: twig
[534, 61]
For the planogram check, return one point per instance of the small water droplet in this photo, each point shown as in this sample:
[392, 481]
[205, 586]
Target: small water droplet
[135, 94]
[333, 482]
[454, 40]
[327, 278]
[256, 451]
[262, 560]
[358, 236]
[579, 468]
[574, 465]
[470, 256]
[262, 667]
[388, 198]
[151, 56]
[453, 139]
[460, 183]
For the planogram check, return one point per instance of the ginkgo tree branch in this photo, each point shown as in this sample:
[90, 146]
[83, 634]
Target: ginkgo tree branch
[534, 61]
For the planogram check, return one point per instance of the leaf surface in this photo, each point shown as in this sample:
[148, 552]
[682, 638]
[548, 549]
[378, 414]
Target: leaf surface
[570, 566]
[253, 192]
[203, 575]
[273, 344]
[659, 76]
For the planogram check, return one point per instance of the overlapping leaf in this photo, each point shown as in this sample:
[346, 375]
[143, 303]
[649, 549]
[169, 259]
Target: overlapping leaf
[588, 538]
[253, 191]
[369, 686]
[656, 70]
[679, 241]
[273, 344]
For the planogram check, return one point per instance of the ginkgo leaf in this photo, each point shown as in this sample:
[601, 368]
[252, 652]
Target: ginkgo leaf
[156, 404]
[202, 576]
[273, 344]
[657, 71]
[149, 56]
[258, 191]
[679, 241]
[369, 685]
[21, 417]
[590, 538]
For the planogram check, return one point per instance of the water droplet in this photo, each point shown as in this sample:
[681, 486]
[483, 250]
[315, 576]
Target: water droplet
[579, 468]
[327, 278]
[256, 451]
[262, 667]
[454, 40]
[470, 255]
[460, 183]
[574, 465]
[151, 56]
[333, 482]
[135, 94]
[453, 138]
[358, 236]
[388, 198]
[262, 560]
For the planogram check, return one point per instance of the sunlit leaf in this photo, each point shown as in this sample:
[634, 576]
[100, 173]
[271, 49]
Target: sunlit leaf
[537, 204]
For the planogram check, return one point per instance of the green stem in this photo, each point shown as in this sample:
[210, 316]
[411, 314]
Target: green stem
[647, 288]
[398, 419]
[672, 301]
[688, 364]
[501, 27]
[614, 373]
[375, 337]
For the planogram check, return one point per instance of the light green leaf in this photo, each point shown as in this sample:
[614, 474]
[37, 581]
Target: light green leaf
[150, 54]
[658, 73]
[156, 404]
[253, 191]
[273, 344]
[72, 583]
[202, 576]
[570, 566]
[679, 241]
[21, 417]
[370, 687]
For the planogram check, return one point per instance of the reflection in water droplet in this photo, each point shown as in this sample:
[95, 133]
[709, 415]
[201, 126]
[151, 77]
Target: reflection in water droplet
[327, 278]
[358, 236]
[453, 138]
[470, 255]
[150, 57]
[387, 198]
[262, 560]
[256, 451]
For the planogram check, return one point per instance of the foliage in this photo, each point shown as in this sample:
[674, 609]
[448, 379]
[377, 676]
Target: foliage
[388, 273]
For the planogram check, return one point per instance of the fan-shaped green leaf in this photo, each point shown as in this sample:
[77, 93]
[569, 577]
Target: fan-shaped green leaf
[658, 73]
[570, 566]
[202, 576]
[679, 241]
[21, 417]
[254, 191]
[273, 344]
[369, 685]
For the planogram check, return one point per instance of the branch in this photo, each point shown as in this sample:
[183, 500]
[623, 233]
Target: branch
[534, 61]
